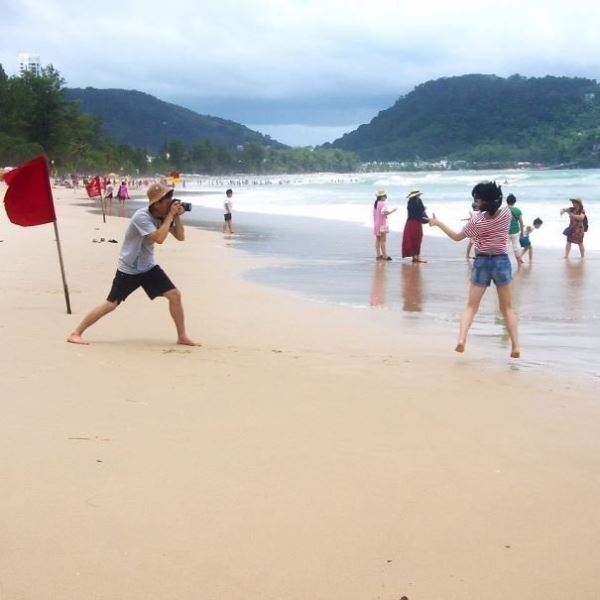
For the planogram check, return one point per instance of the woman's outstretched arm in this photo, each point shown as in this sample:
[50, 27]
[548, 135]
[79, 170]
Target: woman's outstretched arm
[453, 235]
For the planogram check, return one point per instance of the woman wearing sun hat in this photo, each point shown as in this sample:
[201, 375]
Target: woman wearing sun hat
[380, 226]
[413, 230]
[576, 229]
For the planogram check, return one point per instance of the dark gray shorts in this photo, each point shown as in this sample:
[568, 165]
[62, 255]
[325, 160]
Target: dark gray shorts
[155, 283]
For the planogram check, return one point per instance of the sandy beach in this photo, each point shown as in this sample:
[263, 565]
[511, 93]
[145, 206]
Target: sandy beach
[300, 453]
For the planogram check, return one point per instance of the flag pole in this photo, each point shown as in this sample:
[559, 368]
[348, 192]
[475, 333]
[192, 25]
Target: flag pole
[102, 205]
[62, 269]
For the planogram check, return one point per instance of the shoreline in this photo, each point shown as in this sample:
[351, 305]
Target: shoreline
[425, 300]
[297, 454]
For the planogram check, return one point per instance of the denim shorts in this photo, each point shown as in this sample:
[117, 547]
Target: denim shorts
[488, 268]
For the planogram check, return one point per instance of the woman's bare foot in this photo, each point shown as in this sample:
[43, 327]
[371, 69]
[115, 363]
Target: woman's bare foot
[184, 340]
[75, 338]
[460, 347]
[515, 354]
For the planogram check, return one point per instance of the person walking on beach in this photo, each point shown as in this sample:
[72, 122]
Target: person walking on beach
[137, 266]
[108, 195]
[227, 209]
[380, 226]
[412, 236]
[122, 195]
[577, 226]
[489, 231]
[516, 226]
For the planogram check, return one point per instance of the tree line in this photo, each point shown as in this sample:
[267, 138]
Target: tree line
[36, 117]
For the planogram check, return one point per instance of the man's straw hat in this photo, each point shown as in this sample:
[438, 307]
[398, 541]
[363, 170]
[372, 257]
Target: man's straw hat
[157, 191]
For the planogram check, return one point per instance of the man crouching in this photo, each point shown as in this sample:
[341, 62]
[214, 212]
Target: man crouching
[137, 266]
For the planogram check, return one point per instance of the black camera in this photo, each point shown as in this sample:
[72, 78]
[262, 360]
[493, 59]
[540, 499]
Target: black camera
[187, 206]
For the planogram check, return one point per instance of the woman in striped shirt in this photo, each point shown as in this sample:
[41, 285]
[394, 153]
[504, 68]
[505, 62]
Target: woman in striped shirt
[489, 231]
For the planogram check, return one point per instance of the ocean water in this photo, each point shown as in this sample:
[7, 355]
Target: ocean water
[349, 198]
[321, 224]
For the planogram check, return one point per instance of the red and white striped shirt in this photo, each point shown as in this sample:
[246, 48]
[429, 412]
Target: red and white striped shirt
[490, 234]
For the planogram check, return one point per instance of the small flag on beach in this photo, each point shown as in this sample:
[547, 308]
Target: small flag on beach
[94, 188]
[28, 200]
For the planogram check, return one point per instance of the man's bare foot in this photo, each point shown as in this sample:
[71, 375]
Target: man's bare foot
[515, 354]
[75, 338]
[460, 347]
[184, 340]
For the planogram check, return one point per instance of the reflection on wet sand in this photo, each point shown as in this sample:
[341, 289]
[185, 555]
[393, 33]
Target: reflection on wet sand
[412, 287]
[378, 284]
[573, 286]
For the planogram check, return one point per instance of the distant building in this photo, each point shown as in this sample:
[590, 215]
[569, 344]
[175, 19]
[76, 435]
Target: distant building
[589, 96]
[29, 63]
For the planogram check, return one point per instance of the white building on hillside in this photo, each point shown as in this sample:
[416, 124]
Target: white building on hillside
[29, 63]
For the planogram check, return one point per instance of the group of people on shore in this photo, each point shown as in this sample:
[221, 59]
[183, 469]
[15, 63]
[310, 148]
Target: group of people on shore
[518, 233]
[413, 229]
[489, 230]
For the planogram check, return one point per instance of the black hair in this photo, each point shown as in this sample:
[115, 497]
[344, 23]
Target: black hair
[415, 208]
[490, 196]
[511, 199]
[229, 191]
[537, 221]
[377, 200]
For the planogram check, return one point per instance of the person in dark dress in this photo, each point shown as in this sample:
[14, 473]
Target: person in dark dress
[576, 229]
[413, 230]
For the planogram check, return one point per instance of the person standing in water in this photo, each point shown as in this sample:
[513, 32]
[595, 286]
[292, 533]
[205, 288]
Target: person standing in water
[489, 231]
[576, 229]
[228, 212]
[516, 228]
[412, 236]
[380, 226]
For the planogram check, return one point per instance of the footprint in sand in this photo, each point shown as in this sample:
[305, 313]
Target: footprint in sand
[175, 351]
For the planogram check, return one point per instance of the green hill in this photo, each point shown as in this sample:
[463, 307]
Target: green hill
[486, 118]
[141, 120]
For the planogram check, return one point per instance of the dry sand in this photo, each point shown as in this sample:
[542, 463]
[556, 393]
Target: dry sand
[300, 453]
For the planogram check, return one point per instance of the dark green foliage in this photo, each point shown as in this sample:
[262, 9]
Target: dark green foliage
[207, 157]
[37, 117]
[143, 121]
[485, 118]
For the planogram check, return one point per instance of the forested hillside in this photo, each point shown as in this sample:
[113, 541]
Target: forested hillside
[486, 118]
[143, 121]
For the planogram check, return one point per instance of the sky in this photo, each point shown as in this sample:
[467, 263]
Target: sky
[302, 71]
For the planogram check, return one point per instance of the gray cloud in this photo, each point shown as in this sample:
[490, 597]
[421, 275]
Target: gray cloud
[324, 65]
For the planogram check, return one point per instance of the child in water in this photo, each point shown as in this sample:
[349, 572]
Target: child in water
[524, 240]
[474, 208]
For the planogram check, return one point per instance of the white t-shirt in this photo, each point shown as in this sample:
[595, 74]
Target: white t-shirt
[228, 205]
[137, 252]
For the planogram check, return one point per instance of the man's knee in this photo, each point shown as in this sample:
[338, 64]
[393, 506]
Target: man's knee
[110, 305]
[173, 295]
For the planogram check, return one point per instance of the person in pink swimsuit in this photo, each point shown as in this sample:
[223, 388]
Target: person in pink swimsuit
[380, 226]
